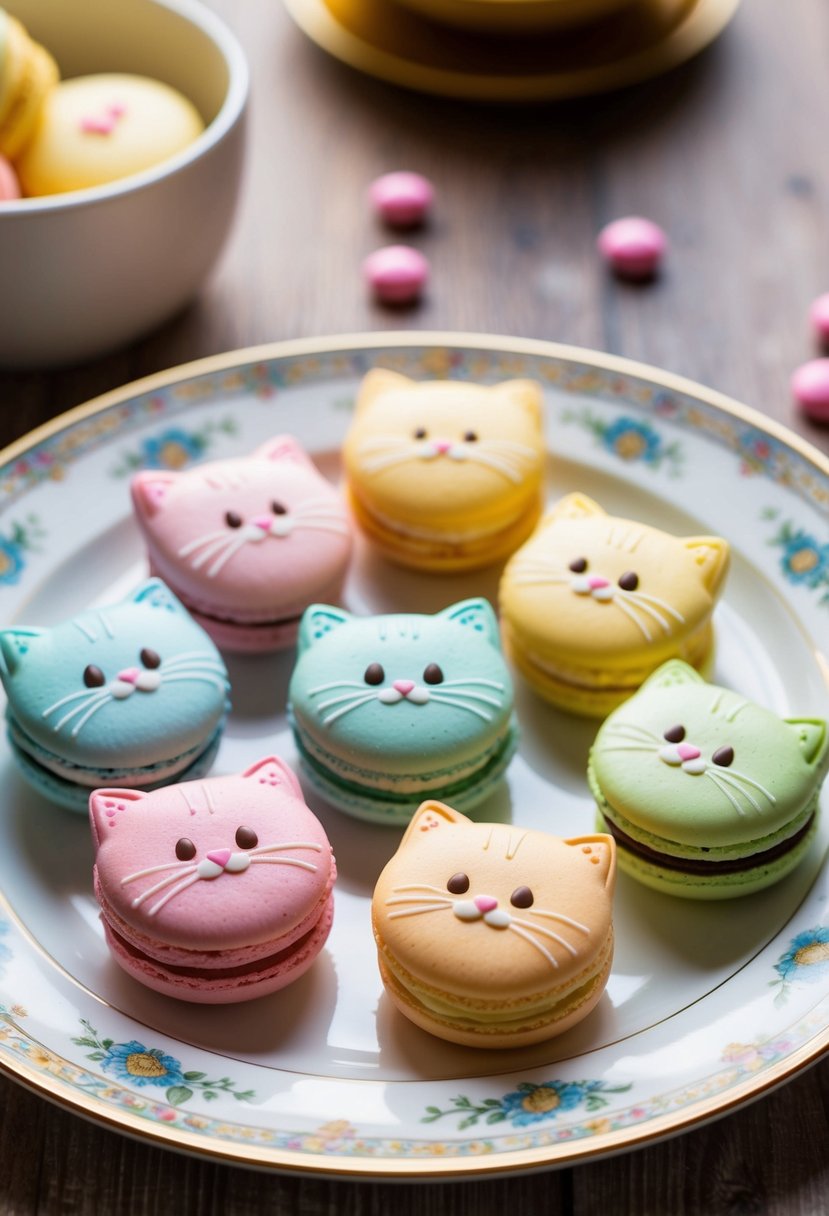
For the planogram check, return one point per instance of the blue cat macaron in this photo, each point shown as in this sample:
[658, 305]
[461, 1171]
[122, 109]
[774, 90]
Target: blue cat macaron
[389, 710]
[132, 694]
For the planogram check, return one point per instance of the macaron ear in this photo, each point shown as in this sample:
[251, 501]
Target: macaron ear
[477, 615]
[711, 554]
[377, 383]
[811, 737]
[285, 449]
[599, 853]
[525, 395]
[149, 490]
[273, 771]
[572, 506]
[107, 806]
[672, 674]
[317, 621]
[14, 646]
[431, 817]
[156, 594]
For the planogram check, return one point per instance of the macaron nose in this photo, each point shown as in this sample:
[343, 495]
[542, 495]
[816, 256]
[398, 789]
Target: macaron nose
[687, 751]
[442, 445]
[220, 856]
[404, 686]
[595, 582]
[262, 521]
[129, 675]
[485, 903]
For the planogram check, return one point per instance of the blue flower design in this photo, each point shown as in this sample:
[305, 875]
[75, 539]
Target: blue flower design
[173, 449]
[533, 1103]
[633, 440]
[805, 561]
[141, 1066]
[807, 959]
[11, 561]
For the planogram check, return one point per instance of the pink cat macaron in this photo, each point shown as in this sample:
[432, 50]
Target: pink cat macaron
[247, 543]
[214, 891]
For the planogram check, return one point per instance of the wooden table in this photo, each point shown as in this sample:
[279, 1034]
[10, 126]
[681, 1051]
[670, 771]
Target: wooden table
[729, 154]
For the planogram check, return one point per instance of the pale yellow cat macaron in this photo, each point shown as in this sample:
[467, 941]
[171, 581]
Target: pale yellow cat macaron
[592, 604]
[445, 475]
[492, 935]
[98, 129]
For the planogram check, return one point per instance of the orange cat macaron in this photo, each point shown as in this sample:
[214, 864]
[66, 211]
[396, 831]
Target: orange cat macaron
[592, 604]
[445, 475]
[492, 935]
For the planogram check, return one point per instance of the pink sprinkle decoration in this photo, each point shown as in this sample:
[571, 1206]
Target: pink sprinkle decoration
[633, 246]
[396, 274]
[819, 318]
[104, 124]
[401, 199]
[810, 389]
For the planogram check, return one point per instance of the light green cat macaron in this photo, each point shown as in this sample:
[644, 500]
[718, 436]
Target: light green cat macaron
[707, 794]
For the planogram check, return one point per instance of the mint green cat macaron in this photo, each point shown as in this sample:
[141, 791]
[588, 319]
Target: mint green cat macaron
[707, 794]
[390, 710]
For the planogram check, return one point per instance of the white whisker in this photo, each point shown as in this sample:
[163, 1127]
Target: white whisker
[209, 669]
[192, 545]
[311, 525]
[539, 580]
[421, 886]
[732, 772]
[413, 899]
[284, 861]
[723, 788]
[417, 911]
[528, 924]
[640, 603]
[194, 677]
[393, 458]
[346, 696]
[72, 696]
[520, 449]
[226, 556]
[461, 705]
[632, 747]
[513, 928]
[348, 708]
[93, 709]
[168, 865]
[496, 684]
[290, 844]
[470, 696]
[182, 871]
[565, 920]
[312, 692]
[731, 781]
[653, 599]
[628, 611]
[216, 546]
[500, 465]
[182, 886]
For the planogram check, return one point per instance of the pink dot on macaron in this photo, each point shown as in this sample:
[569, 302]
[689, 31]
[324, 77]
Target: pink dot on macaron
[819, 317]
[9, 185]
[633, 246]
[401, 199]
[396, 274]
[810, 389]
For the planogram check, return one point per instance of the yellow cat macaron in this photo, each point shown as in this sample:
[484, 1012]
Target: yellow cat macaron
[492, 935]
[592, 604]
[445, 475]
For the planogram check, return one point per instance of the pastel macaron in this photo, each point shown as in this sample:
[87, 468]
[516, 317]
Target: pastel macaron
[28, 75]
[213, 891]
[388, 710]
[247, 543]
[593, 603]
[492, 935]
[93, 130]
[707, 794]
[132, 693]
[445, 475]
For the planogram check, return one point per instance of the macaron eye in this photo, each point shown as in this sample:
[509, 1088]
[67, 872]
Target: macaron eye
[246, 838]
[522, 897]
[185, 849]
[458, 884]
[578, 565]
[470, 437]
[93, 677]
[420, 433]
[674, 734]
[279, 508]
[374, 674]
[723, 756]
[233, 519]
[433, 674]
[150, 658]
[629, 581]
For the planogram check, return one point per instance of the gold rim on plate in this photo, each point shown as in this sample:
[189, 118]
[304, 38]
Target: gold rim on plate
[400, 47]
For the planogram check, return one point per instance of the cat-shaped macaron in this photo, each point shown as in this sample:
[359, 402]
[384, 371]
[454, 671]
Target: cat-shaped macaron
[445, 475]
[387, 710]
[593, 603]
[707, 794]
[491, 935]
[217, 890]
[133, 693]
[247, 543]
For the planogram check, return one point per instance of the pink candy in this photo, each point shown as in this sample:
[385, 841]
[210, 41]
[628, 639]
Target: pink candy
[633, 246]
[9, 185]
[396, 274]
[402, 199]
[819, 317]
[810, 389]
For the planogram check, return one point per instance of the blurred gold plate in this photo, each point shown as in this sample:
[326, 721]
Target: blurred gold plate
[381, 39]
[514, 16]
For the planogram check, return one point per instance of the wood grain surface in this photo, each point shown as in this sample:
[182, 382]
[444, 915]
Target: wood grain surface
[729, 154]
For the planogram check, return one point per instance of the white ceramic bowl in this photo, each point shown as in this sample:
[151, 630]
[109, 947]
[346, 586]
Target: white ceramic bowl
[85, 272]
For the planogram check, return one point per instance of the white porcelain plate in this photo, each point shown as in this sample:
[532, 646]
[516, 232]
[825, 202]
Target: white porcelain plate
[707, 1005]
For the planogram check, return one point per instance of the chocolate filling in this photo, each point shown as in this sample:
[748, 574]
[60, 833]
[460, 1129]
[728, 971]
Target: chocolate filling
[688, 865]
[215, 973]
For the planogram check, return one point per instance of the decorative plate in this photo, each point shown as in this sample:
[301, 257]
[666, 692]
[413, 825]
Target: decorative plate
[707, 1006]
[386, 41]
